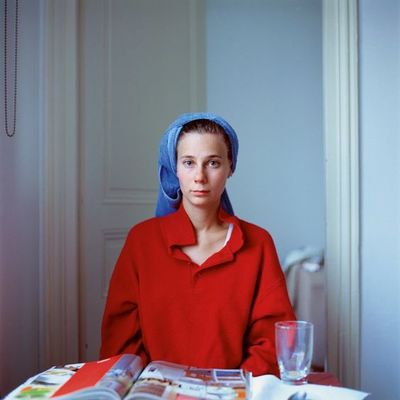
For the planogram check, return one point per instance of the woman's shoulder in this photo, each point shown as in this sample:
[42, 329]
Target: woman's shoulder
[253, 230]
[155, 224]
[145, 227]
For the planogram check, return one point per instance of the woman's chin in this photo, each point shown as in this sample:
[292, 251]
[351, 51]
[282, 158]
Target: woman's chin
[203, 202]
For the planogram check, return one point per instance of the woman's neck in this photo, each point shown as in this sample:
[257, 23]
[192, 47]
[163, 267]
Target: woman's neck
[203, 219]
[210, 233]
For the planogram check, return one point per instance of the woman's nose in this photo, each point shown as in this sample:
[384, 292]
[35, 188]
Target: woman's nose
[200, 175]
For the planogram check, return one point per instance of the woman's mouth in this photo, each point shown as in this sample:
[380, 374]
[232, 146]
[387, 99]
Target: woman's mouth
[200, 192]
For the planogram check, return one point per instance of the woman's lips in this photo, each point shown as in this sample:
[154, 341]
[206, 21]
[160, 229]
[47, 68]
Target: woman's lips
[200, 192]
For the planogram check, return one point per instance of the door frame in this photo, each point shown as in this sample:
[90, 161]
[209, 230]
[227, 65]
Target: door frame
[342, 174]
[59, 205]
[59, 213]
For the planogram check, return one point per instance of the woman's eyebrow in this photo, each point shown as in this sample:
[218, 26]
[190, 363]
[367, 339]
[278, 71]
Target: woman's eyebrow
[185, 156]
[208, 156]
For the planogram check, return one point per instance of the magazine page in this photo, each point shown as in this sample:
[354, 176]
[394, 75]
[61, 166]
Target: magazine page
[109, 379]
[271, 387]
[105, 379]
[45, 384]
[164, 380]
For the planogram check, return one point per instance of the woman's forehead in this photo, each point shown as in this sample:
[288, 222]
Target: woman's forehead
[196, 142]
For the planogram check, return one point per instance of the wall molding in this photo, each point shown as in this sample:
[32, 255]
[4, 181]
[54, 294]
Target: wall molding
[129, 196]
[340, 82]
[59, 283]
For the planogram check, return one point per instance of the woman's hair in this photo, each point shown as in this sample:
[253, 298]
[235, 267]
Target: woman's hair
[207, 126]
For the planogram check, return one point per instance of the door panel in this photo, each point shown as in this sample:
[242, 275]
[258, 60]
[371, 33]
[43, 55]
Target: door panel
[142, 64]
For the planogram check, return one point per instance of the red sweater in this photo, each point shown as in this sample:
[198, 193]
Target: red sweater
[221, 314]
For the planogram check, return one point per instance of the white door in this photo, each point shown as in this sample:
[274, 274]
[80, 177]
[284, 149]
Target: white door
[141, 64]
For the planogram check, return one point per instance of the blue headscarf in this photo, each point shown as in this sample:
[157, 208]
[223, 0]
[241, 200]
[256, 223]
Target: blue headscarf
[169, 195]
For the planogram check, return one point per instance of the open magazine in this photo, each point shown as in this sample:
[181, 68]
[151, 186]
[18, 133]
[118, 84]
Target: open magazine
[123, 377]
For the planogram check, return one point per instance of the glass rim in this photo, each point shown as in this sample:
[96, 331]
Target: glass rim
[297, 324]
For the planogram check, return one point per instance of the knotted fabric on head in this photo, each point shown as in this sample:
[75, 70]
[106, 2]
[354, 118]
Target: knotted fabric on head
[169, 195]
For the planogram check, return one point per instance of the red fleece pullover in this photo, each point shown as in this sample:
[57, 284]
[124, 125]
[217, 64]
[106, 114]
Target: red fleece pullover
[221, 314]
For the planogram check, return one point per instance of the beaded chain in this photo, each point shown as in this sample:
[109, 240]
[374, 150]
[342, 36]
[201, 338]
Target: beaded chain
[10, 133]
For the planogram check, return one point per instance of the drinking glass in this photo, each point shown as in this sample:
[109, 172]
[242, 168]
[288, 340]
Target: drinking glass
[294, 349]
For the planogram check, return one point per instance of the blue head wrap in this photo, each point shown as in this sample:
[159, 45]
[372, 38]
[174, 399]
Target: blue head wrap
[169, 195]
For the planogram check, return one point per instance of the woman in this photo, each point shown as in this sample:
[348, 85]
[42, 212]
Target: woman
[196, 285]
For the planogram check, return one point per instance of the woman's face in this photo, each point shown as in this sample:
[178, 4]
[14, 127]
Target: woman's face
[202, 168]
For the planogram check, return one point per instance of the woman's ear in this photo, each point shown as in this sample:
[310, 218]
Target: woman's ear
[230, 170]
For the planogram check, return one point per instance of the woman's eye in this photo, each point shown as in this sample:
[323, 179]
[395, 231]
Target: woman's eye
[187, 163]
[214, 163]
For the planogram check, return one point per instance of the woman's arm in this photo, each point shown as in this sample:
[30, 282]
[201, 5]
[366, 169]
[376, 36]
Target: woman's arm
[271, 304]
[259, 351]
[121, 332]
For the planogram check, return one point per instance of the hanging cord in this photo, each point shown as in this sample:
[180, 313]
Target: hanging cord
[12, 132]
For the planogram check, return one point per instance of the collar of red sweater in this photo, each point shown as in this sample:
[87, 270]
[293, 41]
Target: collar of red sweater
[178, 231]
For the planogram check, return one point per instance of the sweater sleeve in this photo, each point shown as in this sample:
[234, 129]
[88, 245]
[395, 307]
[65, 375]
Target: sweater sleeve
[121, 332]
[271, 304]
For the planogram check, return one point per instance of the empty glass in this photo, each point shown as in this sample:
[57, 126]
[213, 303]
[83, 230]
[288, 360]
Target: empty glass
[294, 350]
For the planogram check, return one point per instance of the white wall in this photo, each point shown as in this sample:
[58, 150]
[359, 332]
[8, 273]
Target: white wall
[264, 75]
[19, 209]
[380, 196]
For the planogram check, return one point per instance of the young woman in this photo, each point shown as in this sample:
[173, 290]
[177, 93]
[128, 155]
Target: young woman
[196, 285]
